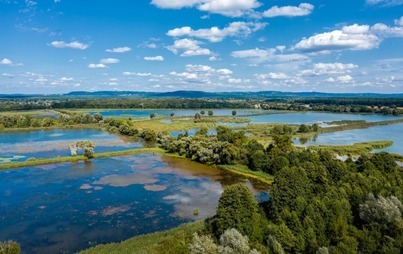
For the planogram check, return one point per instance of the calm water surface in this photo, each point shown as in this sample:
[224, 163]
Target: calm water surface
[19, 146]
[68, 207]
[393, 132]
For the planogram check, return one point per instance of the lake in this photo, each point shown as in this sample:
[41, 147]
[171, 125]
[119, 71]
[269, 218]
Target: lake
[71, 206]
[391, 132]
[20, 146]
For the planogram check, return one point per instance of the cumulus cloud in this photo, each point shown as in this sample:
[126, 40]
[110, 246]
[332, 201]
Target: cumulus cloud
[119, 50]
[154, 58]
[8, 62]
[97, 66]
[188, 47]
[109, 61]
[341, 79]
[138, 74]
[399, 22]
[72, 45]
[231, 8]
[268, 55]
[352, 37]
[385, 31]
[279, 79]
[273, 75]
[215, 34]
[303, 9]
[201, 74]
[329, 68]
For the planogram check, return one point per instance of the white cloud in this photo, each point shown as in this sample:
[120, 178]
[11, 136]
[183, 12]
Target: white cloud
[341, 79]
[268, 55]
[279, 79]
[273, 75]
[201, 74]
[385, 31]
[174, 4]
[119, 50]
[154, 58]
[385, 2]
[138, 74]
[6, 61]
[63, 79]
[97, 66]
[352, 37]
[231, 8]
[109, 61]
[188, 47]
[72, 45]
[303, 9]
[329, 68]
[399, 22]
[215, 34]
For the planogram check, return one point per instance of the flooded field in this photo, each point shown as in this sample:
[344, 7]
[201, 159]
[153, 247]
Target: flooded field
[20, 146]
[71, 206]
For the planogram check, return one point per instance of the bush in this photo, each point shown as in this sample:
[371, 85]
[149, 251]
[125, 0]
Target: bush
[9, 247]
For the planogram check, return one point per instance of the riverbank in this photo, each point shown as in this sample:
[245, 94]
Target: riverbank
[38, 162]
[172, 241]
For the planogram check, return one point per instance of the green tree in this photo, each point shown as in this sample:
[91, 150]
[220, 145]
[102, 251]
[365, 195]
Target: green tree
[233, 112]
[237, 209]
[152, 115]
[303, 128]
[210, 112]
[202, 112]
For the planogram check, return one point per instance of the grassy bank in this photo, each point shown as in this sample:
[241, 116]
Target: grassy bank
[55, 127]
[351, 125]
[171, 241]
[356, 148]
[243, 170]
[38, 162]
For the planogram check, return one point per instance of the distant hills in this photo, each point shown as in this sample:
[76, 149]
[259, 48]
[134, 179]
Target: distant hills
[206, 95]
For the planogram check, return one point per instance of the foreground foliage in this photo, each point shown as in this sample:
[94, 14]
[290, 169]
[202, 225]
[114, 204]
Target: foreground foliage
[9, 248]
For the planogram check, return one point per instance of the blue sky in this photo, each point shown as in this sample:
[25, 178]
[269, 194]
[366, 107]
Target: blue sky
[57, 46]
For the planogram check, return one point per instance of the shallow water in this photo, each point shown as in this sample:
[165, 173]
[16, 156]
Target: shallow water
[391, 132]
[72, 206]
[19, 146]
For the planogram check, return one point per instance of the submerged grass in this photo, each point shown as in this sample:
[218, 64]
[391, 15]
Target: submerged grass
[171, 241]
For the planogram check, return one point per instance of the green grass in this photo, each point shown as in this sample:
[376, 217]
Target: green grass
[356, 148]
[173, 241]
[38, 162]
[76, 126]
[350, 125]
[245, 171]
